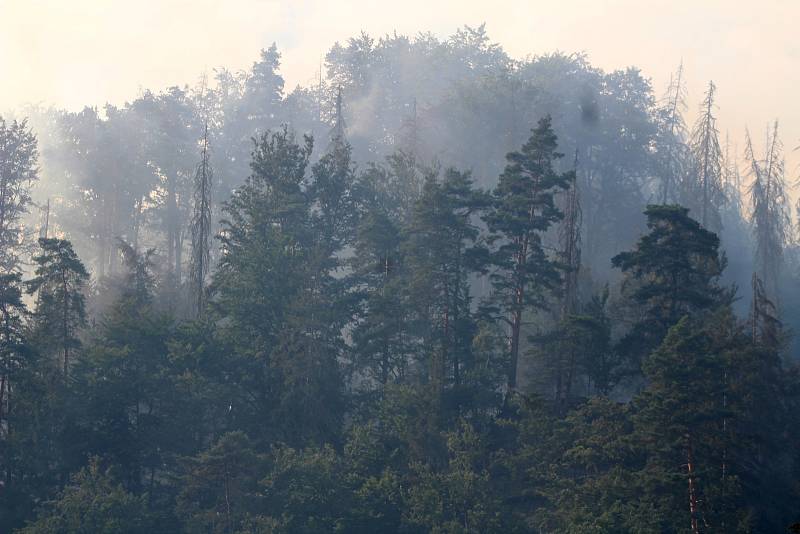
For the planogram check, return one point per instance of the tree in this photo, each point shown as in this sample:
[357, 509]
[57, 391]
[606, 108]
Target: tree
[713, 407]
[220, 486]
[265, 240]
[173, 126]
[769, 215]
[563, 360]
[380, 341]
[201, 228]
[332, 189]
[765, 327]
[306, 490]
[128, 398]
[680, 415]
[12, 340]
[523, 209]
[93, 502]
[705, 186]
[14, 354]
[673, 271]
[582, 361]
[60, 310]
[673, 156]
[458, 498]
[18, 170]
[441, 253]
[274, 286]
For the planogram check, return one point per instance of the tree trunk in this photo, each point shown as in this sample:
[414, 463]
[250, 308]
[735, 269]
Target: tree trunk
[516, 327]
[690, 468]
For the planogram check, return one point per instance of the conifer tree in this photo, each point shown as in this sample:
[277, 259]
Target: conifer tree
[201, 228]
[60, 310]
[379, 336]
[673, 271]
[765, 326]
[679, 417]
[92, 501]
[734, 211]
[673, 154]
[441, 255]
[12, 349]
[523, 209]
[570, 258]
[769, 216]
[704, 187]
[220, 485]
[274, 286]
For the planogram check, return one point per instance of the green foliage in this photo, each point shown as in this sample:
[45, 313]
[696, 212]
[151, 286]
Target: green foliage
[60, 303]
[219, 490]
[673, 271]
[19, 155]
[93, 502]
[458, 498]
[356, 366]
[523, 210]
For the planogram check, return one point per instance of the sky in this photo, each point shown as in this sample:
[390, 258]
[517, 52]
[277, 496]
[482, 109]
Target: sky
[72, 53]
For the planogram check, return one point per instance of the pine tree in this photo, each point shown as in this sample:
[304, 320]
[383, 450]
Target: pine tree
[523, 209]
[673, 271]
[733, 216]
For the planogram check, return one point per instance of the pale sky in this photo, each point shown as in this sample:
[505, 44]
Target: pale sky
[73, 53]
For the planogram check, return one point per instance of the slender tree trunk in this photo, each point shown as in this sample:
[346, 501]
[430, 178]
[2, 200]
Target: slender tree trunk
[517, 309]
[65, 324]
[690, 468]
[171, 224]
[3, 379]
[516, 327]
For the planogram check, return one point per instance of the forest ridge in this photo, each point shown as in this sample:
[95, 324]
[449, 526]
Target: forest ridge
[439, 290]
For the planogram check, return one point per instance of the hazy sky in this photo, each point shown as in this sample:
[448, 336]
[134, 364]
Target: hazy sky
[77, 52]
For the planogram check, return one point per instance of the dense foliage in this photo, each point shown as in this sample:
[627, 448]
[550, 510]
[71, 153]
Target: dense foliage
[405, 346]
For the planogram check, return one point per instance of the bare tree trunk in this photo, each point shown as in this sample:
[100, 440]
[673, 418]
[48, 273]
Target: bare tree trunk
[65, 324]
[171, 223]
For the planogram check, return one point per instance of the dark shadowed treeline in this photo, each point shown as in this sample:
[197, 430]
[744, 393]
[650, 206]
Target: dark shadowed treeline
[440, 290]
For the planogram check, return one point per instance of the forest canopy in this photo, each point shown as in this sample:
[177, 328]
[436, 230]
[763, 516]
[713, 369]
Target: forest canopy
[438, 290]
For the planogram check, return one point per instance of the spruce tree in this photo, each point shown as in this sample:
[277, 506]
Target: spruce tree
[201, 228]
[770, 220]
[673, 154]
[703, 191]
[60, 303]
[276, 291]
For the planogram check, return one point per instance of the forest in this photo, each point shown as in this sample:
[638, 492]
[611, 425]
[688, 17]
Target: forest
[437, 290]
